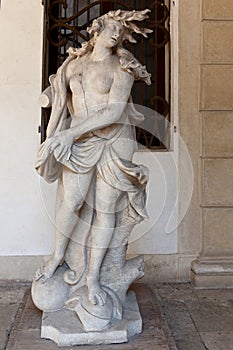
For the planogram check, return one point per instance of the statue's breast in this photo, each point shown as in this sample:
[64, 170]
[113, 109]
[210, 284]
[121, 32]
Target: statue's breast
[98, 77]
[75, 84]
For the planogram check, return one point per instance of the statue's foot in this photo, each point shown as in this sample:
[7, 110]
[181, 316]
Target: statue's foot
[96, 294]
[46, 272]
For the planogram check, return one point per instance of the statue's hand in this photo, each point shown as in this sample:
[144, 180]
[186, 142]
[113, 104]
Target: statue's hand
[61, 144]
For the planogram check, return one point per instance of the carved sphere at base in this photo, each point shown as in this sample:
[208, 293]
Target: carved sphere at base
[93, 317]
[51, 295]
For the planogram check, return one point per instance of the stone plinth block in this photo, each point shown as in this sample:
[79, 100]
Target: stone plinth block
[65, 328]
[218, 183]
[214, 98]
[217, 35]
[212, 273]
[217, 132]
[213, 9]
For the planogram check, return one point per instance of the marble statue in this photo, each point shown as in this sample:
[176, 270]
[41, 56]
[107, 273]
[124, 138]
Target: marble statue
[101, 193]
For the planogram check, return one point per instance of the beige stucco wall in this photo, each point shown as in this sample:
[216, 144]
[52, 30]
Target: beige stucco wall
[214, 268]
[177, 267]
[22, 227]
[24, 222]
[205, 123]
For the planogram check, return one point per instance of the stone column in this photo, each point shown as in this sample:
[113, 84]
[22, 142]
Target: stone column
[189, 130]
[214, 268]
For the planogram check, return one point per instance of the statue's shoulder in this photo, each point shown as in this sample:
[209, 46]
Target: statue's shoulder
[73, 65]
[120, 73]
[116, 65]
[70, 68]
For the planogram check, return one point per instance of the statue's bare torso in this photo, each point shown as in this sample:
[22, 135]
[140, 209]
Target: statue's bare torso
[90, 84]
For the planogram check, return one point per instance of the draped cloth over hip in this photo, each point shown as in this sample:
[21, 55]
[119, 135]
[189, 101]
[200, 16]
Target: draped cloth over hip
[99, 153]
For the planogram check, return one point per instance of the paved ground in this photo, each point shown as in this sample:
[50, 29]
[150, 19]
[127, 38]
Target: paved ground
[197, 319]
[11, 296]
[25, 331]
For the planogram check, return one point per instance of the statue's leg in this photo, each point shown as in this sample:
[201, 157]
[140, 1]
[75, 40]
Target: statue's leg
[70, 199]
[101, 235]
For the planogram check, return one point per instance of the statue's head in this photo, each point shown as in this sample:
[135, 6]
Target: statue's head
[118, 26]
[110, 32]
[114, 28]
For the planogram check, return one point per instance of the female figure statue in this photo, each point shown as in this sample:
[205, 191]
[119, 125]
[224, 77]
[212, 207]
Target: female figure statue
[89, 148]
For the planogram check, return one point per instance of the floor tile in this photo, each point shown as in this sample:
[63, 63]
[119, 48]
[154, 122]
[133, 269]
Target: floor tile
[218, 340]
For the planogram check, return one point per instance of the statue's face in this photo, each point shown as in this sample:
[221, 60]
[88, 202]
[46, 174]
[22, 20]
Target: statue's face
[112, 33]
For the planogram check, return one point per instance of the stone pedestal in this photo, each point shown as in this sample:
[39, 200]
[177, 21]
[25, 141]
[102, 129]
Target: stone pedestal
[212, 273]
[64, 327]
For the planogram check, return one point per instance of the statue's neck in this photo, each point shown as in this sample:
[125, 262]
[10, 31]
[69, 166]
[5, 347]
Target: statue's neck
[100, 52]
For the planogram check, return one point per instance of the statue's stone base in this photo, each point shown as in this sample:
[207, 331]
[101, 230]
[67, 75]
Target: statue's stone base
[65, 329]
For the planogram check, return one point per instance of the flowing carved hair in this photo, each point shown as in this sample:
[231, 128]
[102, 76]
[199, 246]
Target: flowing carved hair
[127, 60]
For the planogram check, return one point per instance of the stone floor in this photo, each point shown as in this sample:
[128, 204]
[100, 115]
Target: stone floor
[198, 319]
[174, 315]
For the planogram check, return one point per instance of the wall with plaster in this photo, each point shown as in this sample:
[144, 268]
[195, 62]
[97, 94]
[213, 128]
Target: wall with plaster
[27, 203]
